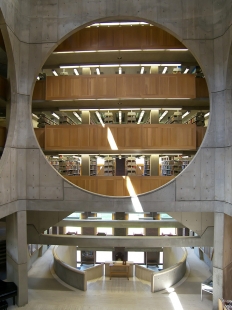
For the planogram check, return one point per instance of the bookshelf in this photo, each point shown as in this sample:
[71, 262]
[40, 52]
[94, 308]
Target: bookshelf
[69, 166]
[130, 166]
[93, 166]
[108, 166]
[147, 166]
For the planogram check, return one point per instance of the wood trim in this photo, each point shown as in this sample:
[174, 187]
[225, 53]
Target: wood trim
[118, 186]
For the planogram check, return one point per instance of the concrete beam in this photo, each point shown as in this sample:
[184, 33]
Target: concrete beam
[121, 224]
[114, 241]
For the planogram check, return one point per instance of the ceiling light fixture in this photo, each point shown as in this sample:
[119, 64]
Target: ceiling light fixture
[99, 118]
[77, 116]
[162, 116]
[120, 117]
[98, 71]
[140, 117]
[165, 70]
[119, 70]
[186, 70]
[207, 114]
[55, 115]
[54, 72]
[185, 114]
[75, 71]
[142, 70]
[38, 78]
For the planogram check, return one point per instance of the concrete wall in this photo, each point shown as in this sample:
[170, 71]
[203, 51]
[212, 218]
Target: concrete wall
[143, 273]
[170, 276]
[32, 29]
[67, 254]
[71, 275]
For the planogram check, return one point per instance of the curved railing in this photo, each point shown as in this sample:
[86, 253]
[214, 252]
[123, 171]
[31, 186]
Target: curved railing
[168, 277]
[73, 276]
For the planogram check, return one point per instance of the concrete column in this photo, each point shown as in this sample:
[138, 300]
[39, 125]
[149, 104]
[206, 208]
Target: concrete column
[222, 264]
[152, 257]
[154, 117]
[154, 165]
[119, 231]
[16, 248]
[88, 230]
[85, 116]
[85, 162]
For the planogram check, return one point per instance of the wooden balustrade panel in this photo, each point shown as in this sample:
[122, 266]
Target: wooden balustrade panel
[119, 186]
[123, 137]
[201, 88]
[40, 135]
[2, 136]
[114, 38]
[39, 90]
[121, 86]
[200, 132]
[3, 87]
[169, 137]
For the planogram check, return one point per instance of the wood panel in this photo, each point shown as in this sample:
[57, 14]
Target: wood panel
[125, 37]
[121, 86]
[39, 90]
[3, 87]
[200, 135]
[119, 186]
[201, 88]
[40, 135]
[2, 136]
[123, 137]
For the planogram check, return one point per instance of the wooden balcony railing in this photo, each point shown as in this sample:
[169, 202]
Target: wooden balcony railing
[119, 186]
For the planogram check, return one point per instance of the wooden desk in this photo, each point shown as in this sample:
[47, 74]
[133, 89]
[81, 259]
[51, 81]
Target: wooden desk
[119, 269]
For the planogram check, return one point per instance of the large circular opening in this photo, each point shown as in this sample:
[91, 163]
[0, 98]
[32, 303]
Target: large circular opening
[120, 108]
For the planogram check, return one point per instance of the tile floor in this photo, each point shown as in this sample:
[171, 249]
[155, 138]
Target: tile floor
[46, 293]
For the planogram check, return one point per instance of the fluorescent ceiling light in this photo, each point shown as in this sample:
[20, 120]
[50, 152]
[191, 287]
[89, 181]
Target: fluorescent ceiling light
[142, 70]
[69, 67]
[165, 70]
[170, 65]
[38, 78]
[35, 116]
[207, 114]
[89, 66]
[55, 115]
[55, 157]
[120, 117]
[119, 70]
[77, 116]
[68, 110]
[75, 71]
[186, 70]
[54, 72]
[162, 116]
[136, 109]
[108, 66]
[98, 71]
[140, 117]
[185, 114]
[109, 109]
[99, 118]
[130, 65]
